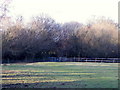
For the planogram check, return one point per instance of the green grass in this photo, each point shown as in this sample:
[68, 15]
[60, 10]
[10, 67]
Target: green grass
[60, 75]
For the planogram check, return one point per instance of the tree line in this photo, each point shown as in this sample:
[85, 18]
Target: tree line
[43, 37]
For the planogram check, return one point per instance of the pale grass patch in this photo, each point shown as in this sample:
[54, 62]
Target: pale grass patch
[53, 65]
[14, 74]
[23, 78]
[73, 64]
[57, 80]
[21, 71]
[104, 65]
[80, 73]
[30, 64]
[33, 81]
[90, 64]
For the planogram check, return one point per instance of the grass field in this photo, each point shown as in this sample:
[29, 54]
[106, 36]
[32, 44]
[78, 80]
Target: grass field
[60, 75]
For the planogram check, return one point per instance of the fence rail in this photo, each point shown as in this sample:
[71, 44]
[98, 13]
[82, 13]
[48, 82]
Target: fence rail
[64, 59]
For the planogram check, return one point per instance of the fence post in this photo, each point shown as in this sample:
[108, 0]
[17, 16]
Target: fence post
[74, 59]
[113, 60]
[101, 60]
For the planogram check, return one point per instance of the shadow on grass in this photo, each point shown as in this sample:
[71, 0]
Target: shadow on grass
[40, 75]
[69, 84]
[44, 85]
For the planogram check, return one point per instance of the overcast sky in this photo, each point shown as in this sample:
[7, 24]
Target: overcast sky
[66, 10]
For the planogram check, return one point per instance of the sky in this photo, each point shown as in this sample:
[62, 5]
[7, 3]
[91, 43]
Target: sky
[66, 10]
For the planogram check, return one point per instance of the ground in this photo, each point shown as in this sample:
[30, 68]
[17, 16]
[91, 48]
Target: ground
[60, 75]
